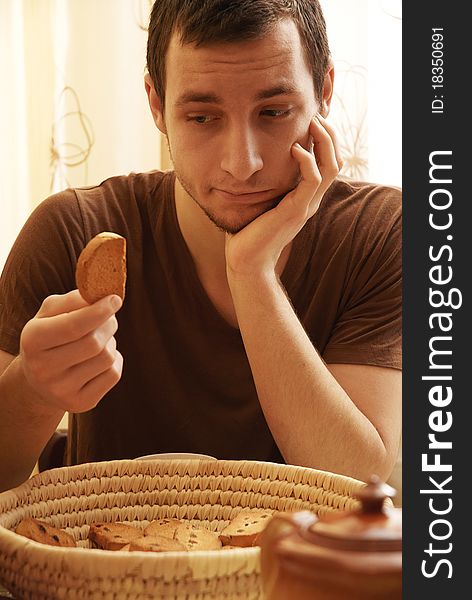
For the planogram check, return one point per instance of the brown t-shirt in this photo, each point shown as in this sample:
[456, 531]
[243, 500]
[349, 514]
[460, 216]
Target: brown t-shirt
[186, 383]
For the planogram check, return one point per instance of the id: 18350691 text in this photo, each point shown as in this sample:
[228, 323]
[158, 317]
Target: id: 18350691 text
[437, 70]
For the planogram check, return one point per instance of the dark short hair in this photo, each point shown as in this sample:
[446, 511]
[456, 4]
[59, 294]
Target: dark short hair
[204, 22]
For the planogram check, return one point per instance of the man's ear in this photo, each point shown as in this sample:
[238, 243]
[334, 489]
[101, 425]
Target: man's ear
[155, 104]
[328, 88]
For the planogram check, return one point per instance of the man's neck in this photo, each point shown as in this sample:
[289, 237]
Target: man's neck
[205, 241]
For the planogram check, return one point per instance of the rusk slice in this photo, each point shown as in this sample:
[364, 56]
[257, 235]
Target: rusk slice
[156, 543]
[197, 538]
[42, 532]
[163, 527]
[101, 268]
[113, 536]
[245, 528]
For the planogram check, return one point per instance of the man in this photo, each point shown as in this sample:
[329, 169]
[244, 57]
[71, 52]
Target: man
[262, 312]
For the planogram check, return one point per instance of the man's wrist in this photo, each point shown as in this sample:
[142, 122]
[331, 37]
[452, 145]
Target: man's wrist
[33, 404]
[251, 292]
[259, 279]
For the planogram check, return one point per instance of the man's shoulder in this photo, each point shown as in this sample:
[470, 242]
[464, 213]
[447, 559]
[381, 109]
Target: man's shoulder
[355, 218]
[348, 199]
[362, 194]
[118, 203]
[121, 188]
[118, 189]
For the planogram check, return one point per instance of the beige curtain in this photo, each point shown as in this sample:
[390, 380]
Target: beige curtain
[73, 108]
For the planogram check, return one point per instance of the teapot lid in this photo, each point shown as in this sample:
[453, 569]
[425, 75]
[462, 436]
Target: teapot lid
[375, 527]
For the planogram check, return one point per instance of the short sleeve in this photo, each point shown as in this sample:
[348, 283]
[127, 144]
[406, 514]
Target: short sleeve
[368, 329]
[41, 262]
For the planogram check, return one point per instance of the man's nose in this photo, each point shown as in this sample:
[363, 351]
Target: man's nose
[241, 156]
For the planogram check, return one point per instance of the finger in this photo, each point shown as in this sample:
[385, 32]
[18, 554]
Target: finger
[63, 357]
[309, 171]
[61, 329]
[324, 151]
[94, 390]
[332, 133]
[80, 374]
[61, 303]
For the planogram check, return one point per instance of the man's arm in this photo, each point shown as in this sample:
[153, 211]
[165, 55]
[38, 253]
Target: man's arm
[67, 362]
[340, 418]
[319, 417]
[24, 428]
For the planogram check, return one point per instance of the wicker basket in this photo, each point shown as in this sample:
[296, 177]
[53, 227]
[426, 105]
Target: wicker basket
[210, 492]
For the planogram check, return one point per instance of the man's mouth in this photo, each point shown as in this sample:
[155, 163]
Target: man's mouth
[243, 195]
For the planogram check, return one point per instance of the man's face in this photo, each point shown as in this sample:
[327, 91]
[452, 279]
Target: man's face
[232, 113]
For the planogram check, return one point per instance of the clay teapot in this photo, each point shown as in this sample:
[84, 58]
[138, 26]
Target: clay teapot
[340, 556]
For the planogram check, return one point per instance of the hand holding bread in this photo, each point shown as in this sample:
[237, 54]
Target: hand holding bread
[68, 350]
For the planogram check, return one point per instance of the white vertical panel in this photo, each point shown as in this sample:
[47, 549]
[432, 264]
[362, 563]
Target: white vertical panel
[385, 91]
[346, 23]
[365, 40]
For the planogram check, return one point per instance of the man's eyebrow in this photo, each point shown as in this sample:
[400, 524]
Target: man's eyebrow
[189, 97]
[278, 90]
[208, 98]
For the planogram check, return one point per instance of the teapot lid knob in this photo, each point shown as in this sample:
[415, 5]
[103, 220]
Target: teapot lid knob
[374, 527]
[373, 496]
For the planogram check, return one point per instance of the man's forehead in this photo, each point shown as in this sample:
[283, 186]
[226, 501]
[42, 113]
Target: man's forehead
[279, 45]
[265, 67]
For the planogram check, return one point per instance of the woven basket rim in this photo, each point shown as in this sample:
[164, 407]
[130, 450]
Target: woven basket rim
[47, 476]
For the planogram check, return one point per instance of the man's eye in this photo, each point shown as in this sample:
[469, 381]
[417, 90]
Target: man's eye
[274, 112]
[200, 119]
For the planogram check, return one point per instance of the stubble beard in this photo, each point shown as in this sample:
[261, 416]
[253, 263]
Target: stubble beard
[218, 221]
